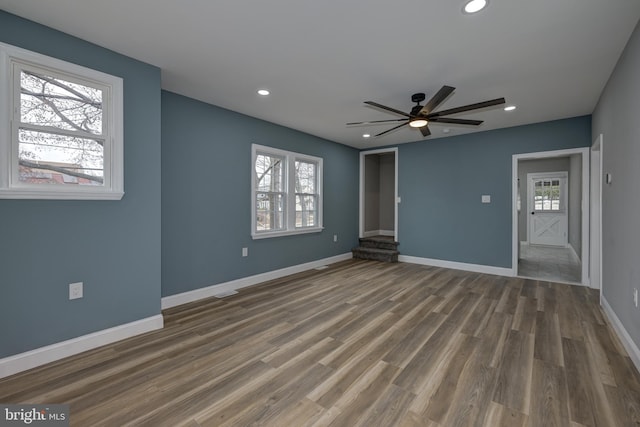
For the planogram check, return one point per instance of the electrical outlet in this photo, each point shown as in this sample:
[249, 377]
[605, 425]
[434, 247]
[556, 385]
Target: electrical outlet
[635, 297]
[75, 290]
[245, 251]
[335, 237]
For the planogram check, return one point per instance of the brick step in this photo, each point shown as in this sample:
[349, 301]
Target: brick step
[378, 243]
[375, 254]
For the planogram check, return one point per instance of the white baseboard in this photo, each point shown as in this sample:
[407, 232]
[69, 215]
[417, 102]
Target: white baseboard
[43, 355]
[573, 252]
[476, 268]
[213, 290]
[625, 338]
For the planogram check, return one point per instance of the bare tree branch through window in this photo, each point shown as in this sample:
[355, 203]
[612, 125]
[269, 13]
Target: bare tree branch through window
[60, 130]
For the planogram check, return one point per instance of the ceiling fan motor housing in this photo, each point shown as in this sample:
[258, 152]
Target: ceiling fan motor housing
[416, 110]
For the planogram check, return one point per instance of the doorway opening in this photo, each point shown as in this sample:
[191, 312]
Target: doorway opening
[547, 213]
[551, 216]
[379, 193]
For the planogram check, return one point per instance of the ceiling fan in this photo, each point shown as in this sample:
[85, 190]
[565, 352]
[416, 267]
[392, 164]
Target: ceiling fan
[420, 116]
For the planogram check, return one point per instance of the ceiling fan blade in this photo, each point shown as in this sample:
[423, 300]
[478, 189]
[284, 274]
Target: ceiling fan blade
[370, 122]
[436, 100]
[456, 121]
[469, 107]
[425, 131]
[393, 128]
[384, 107]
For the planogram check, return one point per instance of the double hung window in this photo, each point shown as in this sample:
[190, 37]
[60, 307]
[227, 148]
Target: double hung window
[286, 192]
[61, 127]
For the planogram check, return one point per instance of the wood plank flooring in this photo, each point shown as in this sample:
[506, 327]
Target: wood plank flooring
[360, 343]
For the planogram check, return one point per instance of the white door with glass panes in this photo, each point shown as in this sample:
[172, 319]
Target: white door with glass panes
[547, 217]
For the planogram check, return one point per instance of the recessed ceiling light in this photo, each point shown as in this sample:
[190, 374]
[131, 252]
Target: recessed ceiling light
[474, 6]
[263, 92]
[366, 135]
[510, 108]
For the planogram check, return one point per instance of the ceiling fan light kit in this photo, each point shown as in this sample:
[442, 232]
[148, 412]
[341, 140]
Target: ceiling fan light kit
[420, 116]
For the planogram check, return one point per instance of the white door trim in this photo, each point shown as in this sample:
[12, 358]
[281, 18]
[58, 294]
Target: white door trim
[564, 179]
[584, 152]
[393, 150]
[596, 208]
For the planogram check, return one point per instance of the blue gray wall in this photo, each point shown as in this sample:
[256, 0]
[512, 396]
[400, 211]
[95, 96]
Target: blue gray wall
[441, 182]
[111, 246]
[206, 196]
[114, 247]
[616, 117]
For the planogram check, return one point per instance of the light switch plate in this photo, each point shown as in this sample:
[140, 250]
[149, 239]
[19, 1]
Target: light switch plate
[486, 198]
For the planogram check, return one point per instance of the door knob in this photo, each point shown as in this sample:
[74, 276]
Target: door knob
[533, 213]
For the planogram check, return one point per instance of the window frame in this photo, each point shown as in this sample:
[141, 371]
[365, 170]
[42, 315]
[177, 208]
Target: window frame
[12, 61]
[551, 200]
[289, 213]
[563, 182]
[303, 195]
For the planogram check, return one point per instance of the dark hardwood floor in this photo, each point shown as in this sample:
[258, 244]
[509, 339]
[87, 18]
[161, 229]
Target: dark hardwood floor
[360, 343]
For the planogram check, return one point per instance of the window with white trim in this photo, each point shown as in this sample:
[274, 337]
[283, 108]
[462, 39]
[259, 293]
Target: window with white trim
[286, 192]
[62, 135]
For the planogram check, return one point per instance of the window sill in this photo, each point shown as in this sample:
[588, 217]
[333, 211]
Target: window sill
[268, 234]
[60, 195]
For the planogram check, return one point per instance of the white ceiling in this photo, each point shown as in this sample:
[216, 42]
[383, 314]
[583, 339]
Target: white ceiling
[322, 59]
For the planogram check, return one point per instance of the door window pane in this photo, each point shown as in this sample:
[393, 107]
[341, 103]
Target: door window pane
[546, 196]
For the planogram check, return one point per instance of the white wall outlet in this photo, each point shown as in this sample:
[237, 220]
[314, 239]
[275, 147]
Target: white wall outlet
[75, 290]
[245, 251]
[335, 237]
[486, 198]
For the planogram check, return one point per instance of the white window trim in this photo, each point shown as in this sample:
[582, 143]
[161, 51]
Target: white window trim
[10, 188]
[290, 194]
